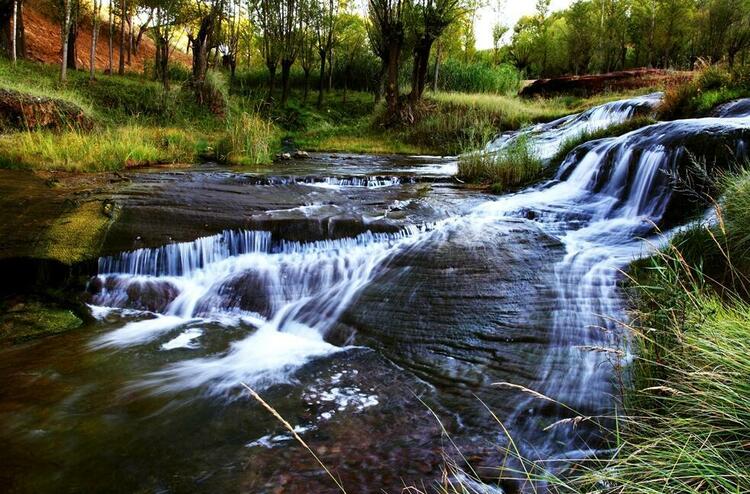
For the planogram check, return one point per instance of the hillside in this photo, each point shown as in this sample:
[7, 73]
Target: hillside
[43, 43]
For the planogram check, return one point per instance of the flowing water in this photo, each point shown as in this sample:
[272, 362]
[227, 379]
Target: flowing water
[351, 300]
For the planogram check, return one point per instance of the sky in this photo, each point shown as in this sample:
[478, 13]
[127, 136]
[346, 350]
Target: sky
[512, 10]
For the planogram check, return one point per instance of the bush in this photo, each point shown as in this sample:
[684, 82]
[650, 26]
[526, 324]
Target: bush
[712, 86]
[478, 77]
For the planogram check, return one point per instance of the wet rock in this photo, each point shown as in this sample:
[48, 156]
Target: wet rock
[283, 157]
[301, 155]
[27, 321]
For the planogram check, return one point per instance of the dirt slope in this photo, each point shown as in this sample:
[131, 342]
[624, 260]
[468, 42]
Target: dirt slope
[43, 43]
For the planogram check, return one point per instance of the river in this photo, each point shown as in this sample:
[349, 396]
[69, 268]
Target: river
[390, 314]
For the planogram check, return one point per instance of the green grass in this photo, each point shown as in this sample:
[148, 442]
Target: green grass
[710, 87]
[136, 123]
[515, 166]
[610, 131]
[686, 418]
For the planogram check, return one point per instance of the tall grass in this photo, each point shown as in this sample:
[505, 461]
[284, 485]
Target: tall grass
[512, 167]
[103, 150]
[711, 86]
[687, 414]
[479, 77]
[249, 139]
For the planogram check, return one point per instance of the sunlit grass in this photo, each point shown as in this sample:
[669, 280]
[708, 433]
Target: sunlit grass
[102, 150]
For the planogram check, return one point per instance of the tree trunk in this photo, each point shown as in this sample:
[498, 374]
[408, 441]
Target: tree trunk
[94, 36]
[165, 64]
[111, 47]
[200, 51]
[321, 79]
[307, 84]
[271, 64]
[130, 37]
[330, 71]
[14, 35]
[286, 66]
[121, 65]
[64, 35]
[391, 86]
[436, 75]
[72, 41]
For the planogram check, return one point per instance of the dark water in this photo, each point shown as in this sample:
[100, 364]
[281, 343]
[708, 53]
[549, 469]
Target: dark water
[361, 297]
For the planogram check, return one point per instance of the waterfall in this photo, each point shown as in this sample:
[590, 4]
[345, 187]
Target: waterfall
[285, 297]
[546, 139]
[287, 293]
[606, 198]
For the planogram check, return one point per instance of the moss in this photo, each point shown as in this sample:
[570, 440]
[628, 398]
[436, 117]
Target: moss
[25, 322]
[78, 234]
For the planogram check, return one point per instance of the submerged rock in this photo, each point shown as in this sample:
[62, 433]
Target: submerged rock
[27, 321]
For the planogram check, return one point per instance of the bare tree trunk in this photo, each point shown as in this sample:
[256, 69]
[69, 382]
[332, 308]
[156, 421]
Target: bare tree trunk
[111, 36]
[436, 75]
[391, 86]
[286, 66]
[307, 84]
[64, 34]
[130, 37]
[73, 39]
[321, 79]
[121, 65]
[330, 71]
[14, 36]
[94, 36]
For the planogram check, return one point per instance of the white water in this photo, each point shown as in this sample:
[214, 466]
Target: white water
[603, 206]
[288, 295]
[546, 139]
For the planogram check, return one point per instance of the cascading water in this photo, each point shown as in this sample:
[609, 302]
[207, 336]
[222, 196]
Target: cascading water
[608, 195]
[546, 139]
[289, 293]
[246, 305]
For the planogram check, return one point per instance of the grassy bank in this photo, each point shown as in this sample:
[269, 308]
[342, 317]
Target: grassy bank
[686, 417]
[135, 123]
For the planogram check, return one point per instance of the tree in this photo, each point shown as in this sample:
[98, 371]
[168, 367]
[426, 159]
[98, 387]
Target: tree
[291, 31]
[387, 18]
[168, 17]
[12, 35]
[64, 35]
[324, 14]
[430, 19]
[94, 36]
[270, 25]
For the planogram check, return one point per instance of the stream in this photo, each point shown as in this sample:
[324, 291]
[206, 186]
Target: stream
[377, 304]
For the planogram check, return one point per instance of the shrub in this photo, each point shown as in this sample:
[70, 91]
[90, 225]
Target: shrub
[712, 86]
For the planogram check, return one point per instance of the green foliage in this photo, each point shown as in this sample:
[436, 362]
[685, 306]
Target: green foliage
[712, 86]
[479, 77]
[249, 139]
[593, 36]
